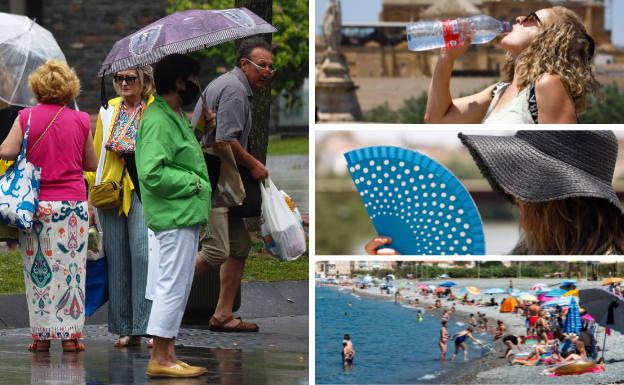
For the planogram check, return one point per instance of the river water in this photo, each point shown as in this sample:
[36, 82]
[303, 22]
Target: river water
[391, 345]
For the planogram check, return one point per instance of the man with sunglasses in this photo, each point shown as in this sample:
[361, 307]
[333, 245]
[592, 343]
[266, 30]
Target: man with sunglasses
[230, 96]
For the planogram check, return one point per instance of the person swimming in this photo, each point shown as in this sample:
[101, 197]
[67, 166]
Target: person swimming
[419, 315]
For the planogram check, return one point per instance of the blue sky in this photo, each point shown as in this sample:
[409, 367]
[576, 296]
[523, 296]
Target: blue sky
[352, 10]
[368, 10]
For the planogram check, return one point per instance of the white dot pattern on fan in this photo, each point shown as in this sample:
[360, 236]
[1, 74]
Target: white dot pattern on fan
[421, 205]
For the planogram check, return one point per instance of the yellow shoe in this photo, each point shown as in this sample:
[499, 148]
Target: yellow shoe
[175, 371]
[185, 365]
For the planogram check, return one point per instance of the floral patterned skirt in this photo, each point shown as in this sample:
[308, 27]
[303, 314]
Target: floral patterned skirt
[54, 255]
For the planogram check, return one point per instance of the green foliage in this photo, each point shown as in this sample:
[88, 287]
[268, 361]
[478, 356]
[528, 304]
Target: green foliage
[342, 224]
[290, 43]
[288, 146]
[607, 109]
[412, 111]
[11, 273]
[495, 269]
[261, 266]
[381, 114]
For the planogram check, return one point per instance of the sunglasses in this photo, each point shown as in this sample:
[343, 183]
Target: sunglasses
[119, 79]
[531, 19]
[267, 67]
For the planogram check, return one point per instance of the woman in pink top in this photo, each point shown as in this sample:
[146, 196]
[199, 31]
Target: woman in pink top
[54, 252]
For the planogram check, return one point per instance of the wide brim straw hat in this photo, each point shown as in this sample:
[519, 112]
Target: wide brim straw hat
[542, 166]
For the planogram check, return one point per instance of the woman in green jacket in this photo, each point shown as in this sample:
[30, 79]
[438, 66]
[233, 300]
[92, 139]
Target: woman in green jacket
[176, 194]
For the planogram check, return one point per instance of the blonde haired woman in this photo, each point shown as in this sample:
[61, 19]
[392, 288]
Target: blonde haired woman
[547, 74]
[55, 250]
[125, 234]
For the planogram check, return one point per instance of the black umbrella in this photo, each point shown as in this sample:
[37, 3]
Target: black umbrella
[605, 307]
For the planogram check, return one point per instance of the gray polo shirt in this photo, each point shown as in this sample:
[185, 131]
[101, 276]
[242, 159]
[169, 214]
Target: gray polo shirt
[230, 97]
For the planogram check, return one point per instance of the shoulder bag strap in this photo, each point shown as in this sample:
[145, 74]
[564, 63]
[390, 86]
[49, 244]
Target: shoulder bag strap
[46, 130]
[107, 118]
[25, 139]
[533, 103]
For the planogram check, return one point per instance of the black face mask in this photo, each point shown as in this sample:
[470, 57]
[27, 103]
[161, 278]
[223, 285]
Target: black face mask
[190, 94]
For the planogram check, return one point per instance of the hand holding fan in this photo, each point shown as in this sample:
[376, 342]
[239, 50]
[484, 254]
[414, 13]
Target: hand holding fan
[416, 201]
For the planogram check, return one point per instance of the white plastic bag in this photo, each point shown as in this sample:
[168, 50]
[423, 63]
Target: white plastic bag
[281, 230]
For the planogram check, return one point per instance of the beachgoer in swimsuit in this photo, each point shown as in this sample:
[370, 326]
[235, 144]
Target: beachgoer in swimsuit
[460, 342]
[443, 339]
[347, 354]
[500, 329]
[472, 321]
[510, 341]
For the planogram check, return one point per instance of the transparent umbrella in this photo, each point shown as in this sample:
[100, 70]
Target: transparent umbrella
[24, 46]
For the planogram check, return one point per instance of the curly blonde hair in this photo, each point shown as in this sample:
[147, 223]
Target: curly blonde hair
[54, 82]
[562, 47]
[146, 80]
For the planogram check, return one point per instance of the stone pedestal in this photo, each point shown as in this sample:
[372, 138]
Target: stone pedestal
[335, 91]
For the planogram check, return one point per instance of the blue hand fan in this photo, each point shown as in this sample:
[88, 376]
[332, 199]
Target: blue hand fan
[416, 201]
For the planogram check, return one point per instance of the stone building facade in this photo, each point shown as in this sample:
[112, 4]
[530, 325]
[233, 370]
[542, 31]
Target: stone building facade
[380, 49]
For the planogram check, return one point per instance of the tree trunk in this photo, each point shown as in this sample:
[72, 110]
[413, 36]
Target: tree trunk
[259, 136]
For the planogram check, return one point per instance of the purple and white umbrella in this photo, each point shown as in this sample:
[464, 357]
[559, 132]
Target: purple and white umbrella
[182, 32]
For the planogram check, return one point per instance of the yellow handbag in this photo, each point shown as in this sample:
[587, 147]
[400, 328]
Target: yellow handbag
[107, 195]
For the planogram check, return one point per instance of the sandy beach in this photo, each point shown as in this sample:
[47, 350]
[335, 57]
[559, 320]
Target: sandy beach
[493, 370]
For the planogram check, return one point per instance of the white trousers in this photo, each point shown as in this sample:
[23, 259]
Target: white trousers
[172, 280]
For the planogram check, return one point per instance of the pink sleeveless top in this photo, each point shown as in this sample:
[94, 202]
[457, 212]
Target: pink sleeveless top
[60, 152]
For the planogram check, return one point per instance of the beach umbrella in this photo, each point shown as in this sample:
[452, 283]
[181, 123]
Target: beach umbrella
[572, 293]
[495, 290]
[611, 281]
[439, 290]
[555, 293]
[182, 32]
[422, 286]
[431, 287]
[473, 290]
[538, 286]
[572, 322]
[606, 308]
[527, 297]
[587, 317]
[567, 282]
[448, 284]
[24, 46]
[561, 301]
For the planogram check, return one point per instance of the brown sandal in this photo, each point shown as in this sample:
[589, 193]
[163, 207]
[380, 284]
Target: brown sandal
[42, 346]
[242, 327]
[72, 346]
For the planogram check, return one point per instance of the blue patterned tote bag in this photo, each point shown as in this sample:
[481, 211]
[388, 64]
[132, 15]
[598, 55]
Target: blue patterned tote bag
[19, 187]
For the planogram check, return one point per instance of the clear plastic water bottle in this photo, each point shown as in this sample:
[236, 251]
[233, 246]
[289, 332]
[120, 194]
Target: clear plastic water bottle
[426, 35]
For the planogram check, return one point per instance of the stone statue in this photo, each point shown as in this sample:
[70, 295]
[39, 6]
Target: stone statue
[336, 100]
[331, 26]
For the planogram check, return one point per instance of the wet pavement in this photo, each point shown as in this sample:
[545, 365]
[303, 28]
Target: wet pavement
[290, 173]
[277, 355]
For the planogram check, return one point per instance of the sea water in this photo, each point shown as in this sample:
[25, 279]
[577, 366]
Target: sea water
[391, 345]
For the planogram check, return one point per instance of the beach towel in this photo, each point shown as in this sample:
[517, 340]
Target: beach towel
[597, 369]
